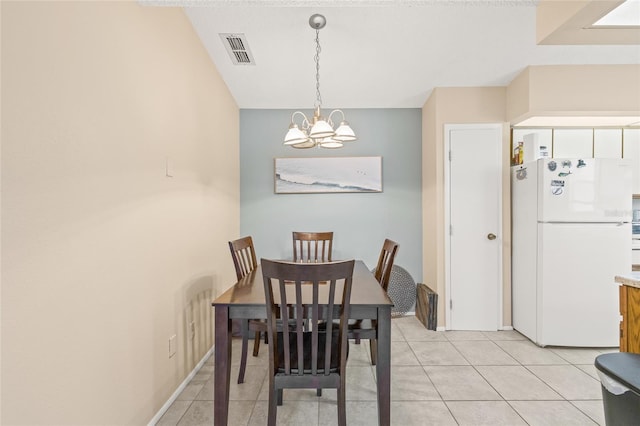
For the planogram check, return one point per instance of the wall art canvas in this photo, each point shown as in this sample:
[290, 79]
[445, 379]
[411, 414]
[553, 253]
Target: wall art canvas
[328, 174]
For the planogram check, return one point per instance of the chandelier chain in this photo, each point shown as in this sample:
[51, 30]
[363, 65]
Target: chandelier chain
[317, 60]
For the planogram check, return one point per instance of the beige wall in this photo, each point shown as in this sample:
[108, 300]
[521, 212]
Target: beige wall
[551, 90]
[553, 14]
[566, 22]
[432, 212]
[458, 106]
[579, 90]
[103, 256]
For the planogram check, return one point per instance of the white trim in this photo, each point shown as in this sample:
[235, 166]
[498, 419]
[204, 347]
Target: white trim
[447, 228]
[447, 222]
[155, 419]
[503, 328]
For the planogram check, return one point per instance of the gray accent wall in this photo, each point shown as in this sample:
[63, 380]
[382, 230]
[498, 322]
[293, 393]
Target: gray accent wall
[360, 221]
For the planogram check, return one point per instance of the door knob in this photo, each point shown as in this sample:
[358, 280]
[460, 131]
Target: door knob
[491, 236]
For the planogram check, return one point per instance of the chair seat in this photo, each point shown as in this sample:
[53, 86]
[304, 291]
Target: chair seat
[261, 324]
[362, 325]
[258, 325]
[358, 328]
[307, 336]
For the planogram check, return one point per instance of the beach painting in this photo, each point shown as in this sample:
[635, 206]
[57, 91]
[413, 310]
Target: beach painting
[328, 174]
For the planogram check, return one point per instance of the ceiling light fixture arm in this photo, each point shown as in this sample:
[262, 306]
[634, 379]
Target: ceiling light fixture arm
[304, 124]
[333, 112]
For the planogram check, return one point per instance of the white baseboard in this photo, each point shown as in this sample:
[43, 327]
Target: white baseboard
[180, 388]
[503, 328]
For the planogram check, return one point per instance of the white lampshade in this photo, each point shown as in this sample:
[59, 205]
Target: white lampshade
[295, 136]
[344, 133]
[330, 143]
[309, 143]
[321, 129]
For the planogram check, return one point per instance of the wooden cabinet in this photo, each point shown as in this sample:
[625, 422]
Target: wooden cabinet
[630, 324]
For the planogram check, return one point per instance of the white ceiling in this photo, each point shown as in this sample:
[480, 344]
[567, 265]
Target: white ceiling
[379, 54]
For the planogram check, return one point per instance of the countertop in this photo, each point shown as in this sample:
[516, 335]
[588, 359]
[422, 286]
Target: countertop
[631, 279]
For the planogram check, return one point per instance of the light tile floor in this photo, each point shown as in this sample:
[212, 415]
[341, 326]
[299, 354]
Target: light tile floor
[444, 378]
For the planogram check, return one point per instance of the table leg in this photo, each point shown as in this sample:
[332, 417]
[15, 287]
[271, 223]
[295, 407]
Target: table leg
[383, 366]
[222, 372]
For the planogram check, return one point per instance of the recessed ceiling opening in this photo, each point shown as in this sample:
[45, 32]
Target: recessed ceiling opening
[626, 14]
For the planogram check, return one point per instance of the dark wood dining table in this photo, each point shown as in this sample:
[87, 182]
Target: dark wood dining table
[246, 300]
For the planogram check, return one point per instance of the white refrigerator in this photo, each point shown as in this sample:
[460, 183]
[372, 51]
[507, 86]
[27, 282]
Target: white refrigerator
[571, 234]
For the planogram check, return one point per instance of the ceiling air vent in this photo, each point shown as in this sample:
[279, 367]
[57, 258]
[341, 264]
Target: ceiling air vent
[238, 49]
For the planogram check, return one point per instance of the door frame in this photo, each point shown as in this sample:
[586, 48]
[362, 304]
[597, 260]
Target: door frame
[447, 219]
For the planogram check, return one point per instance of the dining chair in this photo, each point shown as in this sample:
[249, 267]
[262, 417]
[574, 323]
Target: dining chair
[312, 246]
[306, 355]
[368, 329]
[244, 260]
[385, 263]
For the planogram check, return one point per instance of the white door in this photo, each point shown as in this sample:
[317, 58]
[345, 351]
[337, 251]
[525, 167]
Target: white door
[474, 242]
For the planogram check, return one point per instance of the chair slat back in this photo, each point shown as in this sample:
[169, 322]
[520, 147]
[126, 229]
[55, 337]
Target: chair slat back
[307, 301]
[309, 247]
[385, 263]
[244, 256]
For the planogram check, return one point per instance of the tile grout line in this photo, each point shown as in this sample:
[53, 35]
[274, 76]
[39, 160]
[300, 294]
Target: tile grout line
[185, 412]
[403, 338]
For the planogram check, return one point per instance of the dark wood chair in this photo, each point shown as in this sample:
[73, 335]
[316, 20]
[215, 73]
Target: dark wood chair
[385, 263]
[300, 358]
[368, 329]
[312, 246]
[244, 260]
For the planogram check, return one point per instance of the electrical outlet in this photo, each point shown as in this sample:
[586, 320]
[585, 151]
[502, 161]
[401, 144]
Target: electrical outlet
[192, 328]
[172, 346]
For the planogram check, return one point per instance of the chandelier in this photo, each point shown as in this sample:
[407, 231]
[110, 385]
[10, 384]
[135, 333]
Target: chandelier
[319, 131]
